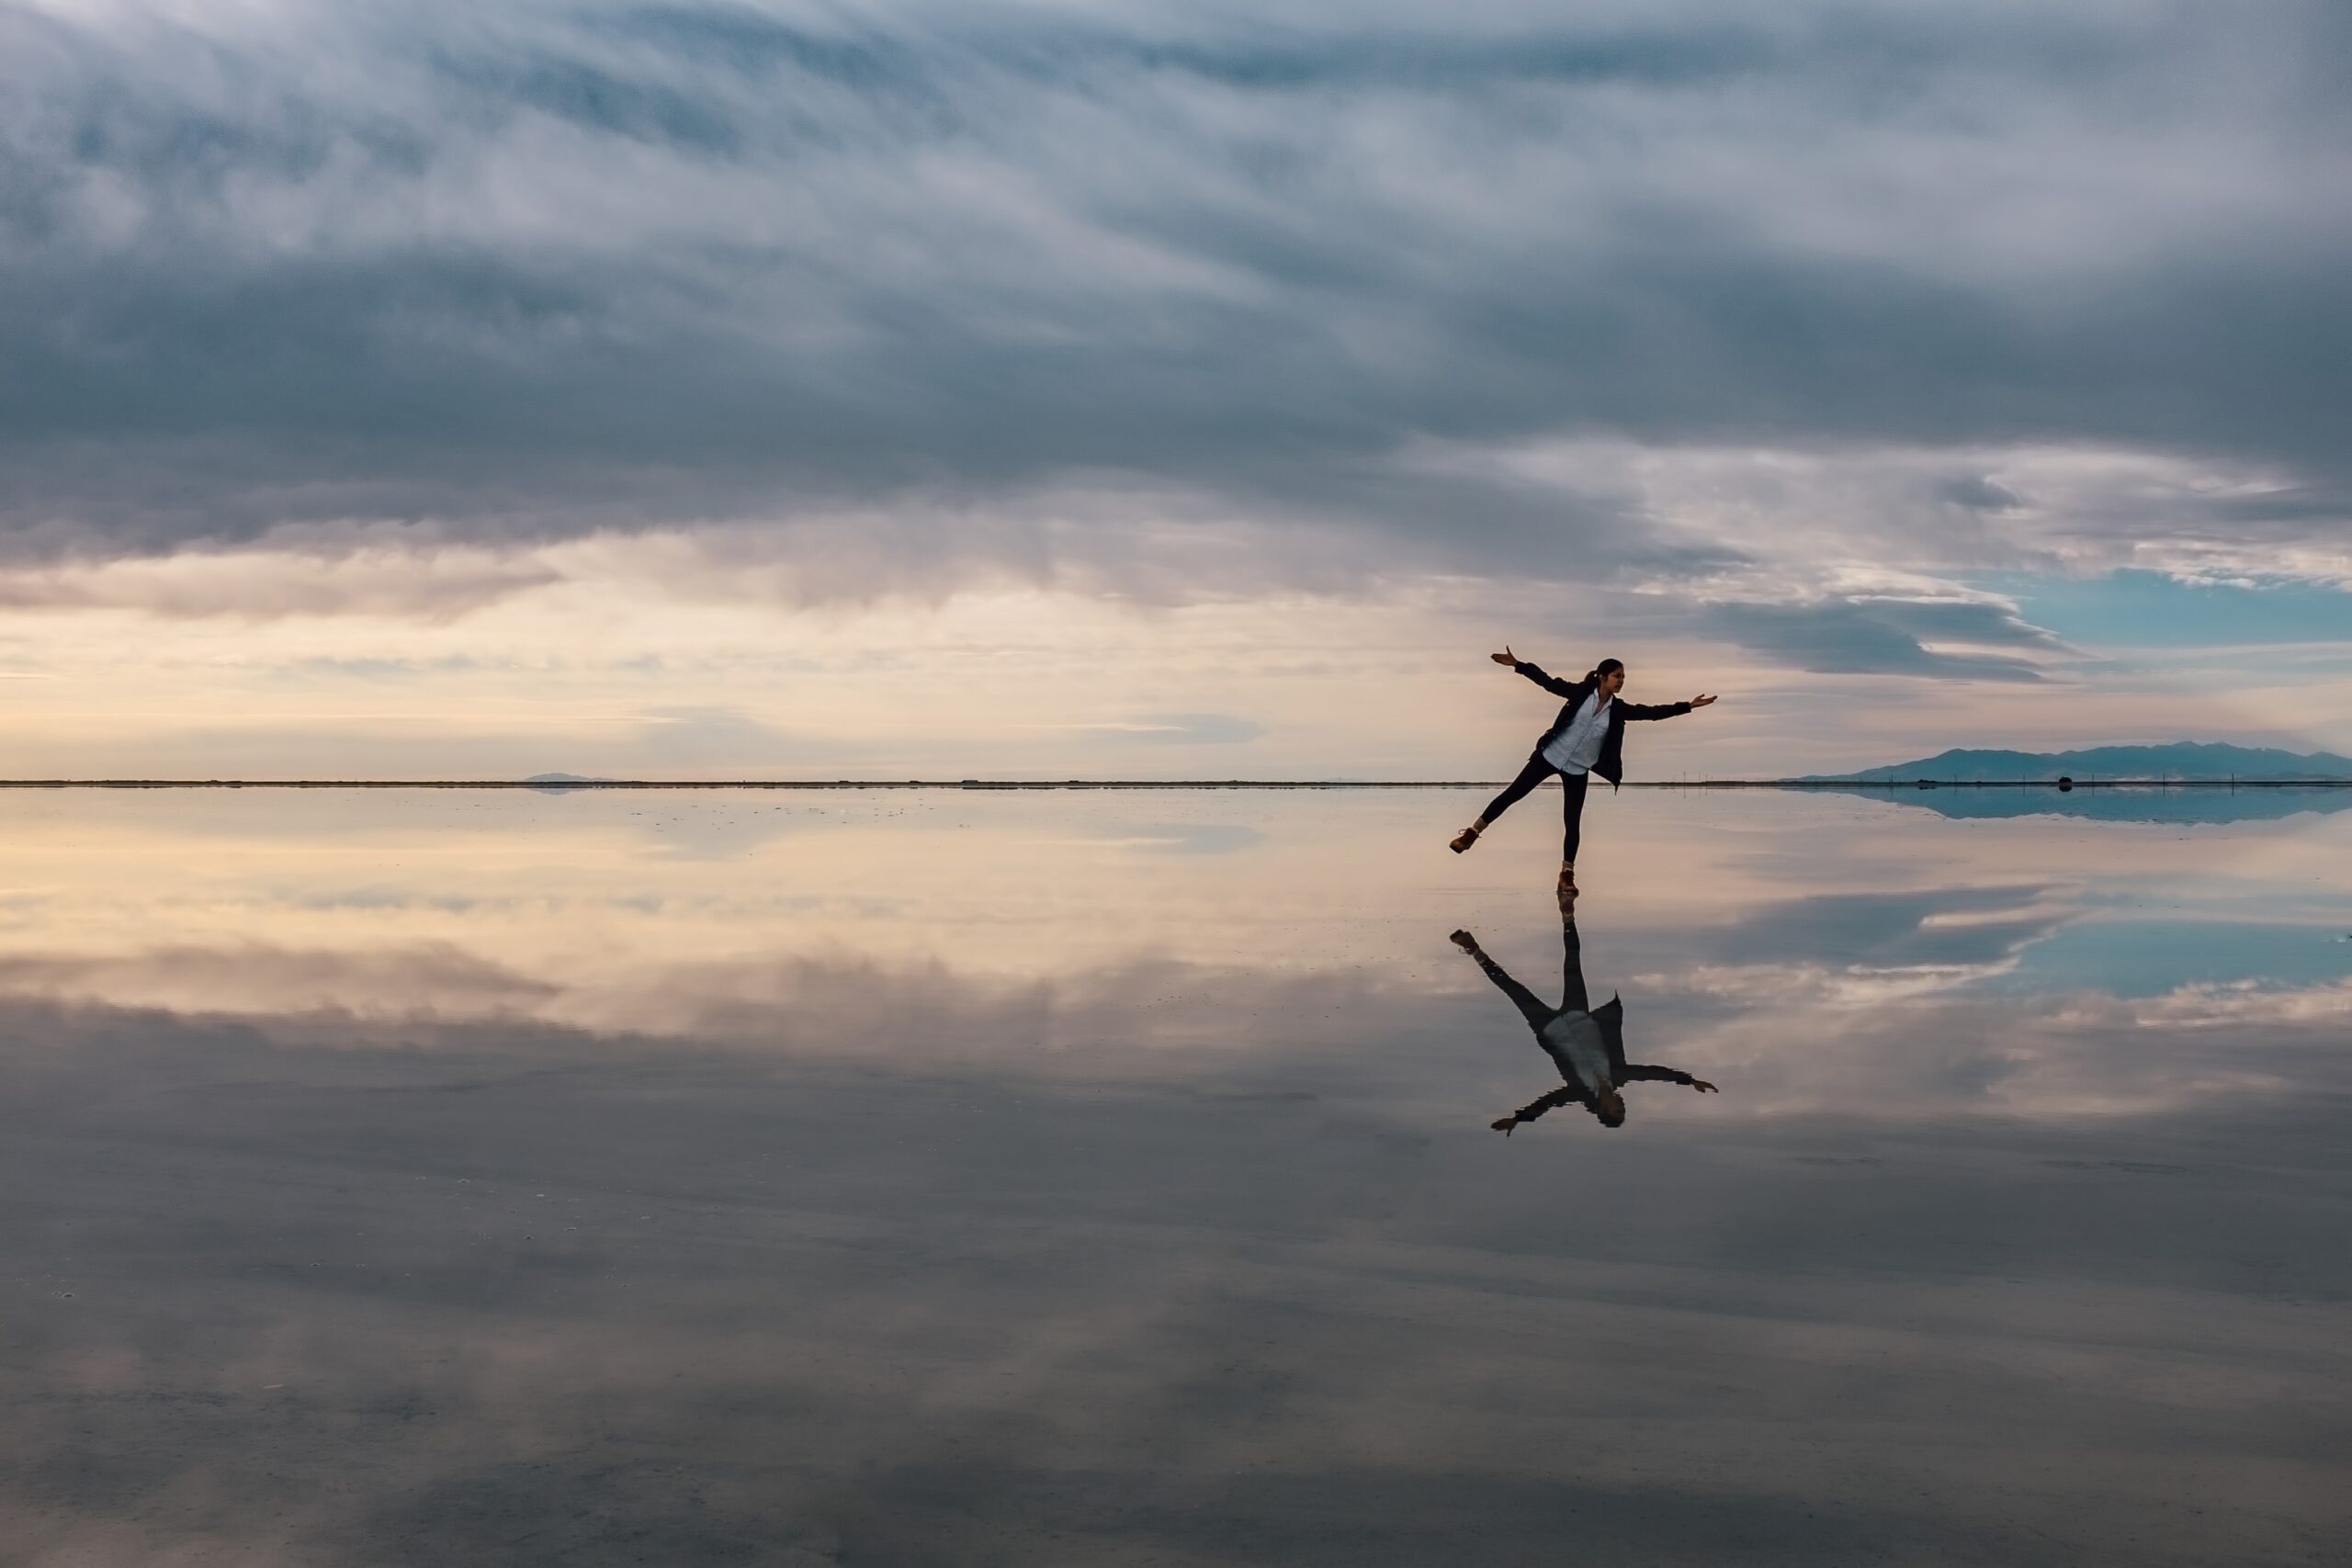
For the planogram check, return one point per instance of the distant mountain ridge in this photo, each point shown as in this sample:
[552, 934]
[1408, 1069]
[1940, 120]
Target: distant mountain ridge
[557, 784]
[2180, 759]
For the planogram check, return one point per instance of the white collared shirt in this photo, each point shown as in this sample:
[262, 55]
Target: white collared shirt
[1576, 1044]
[1575, 749]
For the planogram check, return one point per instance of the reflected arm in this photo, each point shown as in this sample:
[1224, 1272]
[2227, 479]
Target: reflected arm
[1533, 1109]
[1638, 1072]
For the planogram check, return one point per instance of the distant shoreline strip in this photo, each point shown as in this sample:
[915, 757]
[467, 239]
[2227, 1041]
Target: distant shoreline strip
[568, 786]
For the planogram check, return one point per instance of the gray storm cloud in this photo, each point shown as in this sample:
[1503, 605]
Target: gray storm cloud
[555, 268]
[1872, 635]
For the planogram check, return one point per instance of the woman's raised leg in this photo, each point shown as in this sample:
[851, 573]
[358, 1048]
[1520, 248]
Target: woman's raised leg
[1536, 772]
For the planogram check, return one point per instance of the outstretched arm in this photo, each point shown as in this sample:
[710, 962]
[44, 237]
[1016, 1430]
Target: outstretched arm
[1535, 672]
[1662, 710]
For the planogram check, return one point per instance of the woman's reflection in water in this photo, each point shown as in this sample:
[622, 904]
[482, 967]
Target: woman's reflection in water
[1586, 1044]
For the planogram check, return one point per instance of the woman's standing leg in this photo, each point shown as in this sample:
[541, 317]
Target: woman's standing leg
[1536, 772]
[1571, 786]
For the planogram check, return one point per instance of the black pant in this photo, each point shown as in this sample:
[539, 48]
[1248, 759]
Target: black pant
[1572, 992]
[1571, 802]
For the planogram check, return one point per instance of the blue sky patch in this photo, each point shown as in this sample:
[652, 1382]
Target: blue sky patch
[2148, 608]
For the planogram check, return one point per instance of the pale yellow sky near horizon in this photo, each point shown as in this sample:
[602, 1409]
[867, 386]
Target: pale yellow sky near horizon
[603, 675]
[1174, 393]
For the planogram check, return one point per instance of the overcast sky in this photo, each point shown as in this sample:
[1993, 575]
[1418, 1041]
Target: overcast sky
[1164, 389]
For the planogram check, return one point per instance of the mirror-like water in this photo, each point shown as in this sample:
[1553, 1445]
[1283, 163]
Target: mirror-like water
[1116, 1177]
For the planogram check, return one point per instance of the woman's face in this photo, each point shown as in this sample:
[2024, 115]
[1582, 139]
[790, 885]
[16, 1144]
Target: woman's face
[1612, 682]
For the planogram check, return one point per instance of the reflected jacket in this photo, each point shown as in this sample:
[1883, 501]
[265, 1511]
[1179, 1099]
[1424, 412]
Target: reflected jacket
[1610, 1017]
[1612, 765]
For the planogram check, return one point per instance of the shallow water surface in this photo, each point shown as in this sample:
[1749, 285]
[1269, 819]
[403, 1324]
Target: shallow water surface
[1016, 1178]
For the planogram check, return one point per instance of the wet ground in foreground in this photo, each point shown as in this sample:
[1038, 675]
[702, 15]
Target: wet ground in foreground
[1018, 1178]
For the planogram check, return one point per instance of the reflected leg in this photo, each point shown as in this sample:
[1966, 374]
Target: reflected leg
[1529, 1007]
[1572, 991]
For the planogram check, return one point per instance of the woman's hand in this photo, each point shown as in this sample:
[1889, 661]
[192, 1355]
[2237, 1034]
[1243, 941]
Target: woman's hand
[1510, 661]
[1701, 701]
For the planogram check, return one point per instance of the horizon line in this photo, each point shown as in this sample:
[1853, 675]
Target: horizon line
[565, 786]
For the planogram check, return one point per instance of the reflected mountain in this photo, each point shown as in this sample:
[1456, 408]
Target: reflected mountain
[2113, 803]
[1586, 1043]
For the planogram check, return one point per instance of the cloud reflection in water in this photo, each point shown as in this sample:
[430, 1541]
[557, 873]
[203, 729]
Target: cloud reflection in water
[960, 1182]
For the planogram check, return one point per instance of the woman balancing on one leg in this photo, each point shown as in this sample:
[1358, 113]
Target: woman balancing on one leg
[1587, 738]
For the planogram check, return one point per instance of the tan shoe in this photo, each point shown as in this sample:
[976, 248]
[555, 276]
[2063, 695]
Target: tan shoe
[1464, 840]
[1567, 881]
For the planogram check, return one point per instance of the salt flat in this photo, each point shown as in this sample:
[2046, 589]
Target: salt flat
[1011, 1177]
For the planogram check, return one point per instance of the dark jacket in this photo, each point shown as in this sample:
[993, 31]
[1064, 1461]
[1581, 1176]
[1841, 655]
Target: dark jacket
[1612, 765]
